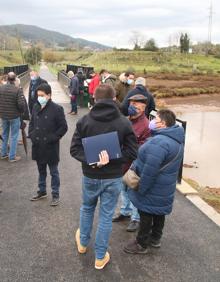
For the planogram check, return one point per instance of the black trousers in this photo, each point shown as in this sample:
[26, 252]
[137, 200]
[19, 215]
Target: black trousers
[151, 226]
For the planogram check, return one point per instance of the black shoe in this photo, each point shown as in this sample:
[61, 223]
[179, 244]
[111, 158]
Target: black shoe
[156, 243]
[133, 226]
[55, 202]
[39, 196]
[134, 248]
[120, 217]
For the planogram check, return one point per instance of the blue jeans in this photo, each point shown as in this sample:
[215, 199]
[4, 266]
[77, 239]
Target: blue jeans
[107, 190]
[74, 103]
[127, 208]
[12, 125]
[55, 178]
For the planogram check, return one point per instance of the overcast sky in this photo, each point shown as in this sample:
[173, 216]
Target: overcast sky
[112, 22]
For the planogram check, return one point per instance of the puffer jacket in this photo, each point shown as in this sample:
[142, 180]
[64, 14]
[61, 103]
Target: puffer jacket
[157, 186]
[12, 101]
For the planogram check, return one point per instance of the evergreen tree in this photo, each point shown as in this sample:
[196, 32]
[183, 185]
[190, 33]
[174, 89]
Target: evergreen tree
[184, 43]
[33, 55]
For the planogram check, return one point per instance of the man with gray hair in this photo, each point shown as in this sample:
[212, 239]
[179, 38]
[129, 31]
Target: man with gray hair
[12, 103]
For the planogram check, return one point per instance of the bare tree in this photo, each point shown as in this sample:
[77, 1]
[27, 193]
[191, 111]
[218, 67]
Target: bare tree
[136, 39]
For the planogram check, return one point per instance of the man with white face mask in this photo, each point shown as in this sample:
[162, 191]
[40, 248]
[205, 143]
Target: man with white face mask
[47, 126]
[36, 80]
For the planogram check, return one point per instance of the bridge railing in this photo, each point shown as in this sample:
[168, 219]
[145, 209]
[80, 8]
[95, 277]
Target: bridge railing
[64, 81]
[183, 124]
[24, 78]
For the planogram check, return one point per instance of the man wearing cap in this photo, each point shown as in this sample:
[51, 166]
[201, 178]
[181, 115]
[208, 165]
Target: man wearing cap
[140, 125]
[140, 88]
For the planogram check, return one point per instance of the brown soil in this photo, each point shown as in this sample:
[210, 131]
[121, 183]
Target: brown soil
[176, 81]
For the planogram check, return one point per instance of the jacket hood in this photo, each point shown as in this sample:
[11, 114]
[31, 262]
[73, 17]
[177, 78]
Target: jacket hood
[111, 76]
[175, 132]
[105, 110]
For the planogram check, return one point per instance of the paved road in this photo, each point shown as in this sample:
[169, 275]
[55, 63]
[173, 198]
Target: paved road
[37, 241]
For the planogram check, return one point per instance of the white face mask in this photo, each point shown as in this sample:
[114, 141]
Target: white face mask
[42, 100]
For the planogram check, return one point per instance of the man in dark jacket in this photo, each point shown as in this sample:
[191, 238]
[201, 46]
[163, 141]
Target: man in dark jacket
[12, 105]
[74, 92]
[36, 80]
[140, 125]
[46, 128]
[157, 165]
[140, 88]
[104, 179]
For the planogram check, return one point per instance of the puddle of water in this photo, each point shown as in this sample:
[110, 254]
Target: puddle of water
[202, 147]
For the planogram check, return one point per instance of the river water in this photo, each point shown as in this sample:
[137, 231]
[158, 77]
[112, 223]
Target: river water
[202, 152]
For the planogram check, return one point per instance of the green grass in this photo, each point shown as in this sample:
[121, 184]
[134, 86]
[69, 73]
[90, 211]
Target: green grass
[141, 62]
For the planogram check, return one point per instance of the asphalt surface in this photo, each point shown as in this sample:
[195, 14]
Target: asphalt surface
[37, 241]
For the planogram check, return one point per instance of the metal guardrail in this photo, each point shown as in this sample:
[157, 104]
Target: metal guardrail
[18, 69]
[183, 124]
[64, 81]
[24, 78]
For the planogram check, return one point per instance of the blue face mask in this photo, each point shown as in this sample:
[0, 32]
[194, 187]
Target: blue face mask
[42, 100]
[132, 111]
[130, 81]
[33, 78]
[152, 124]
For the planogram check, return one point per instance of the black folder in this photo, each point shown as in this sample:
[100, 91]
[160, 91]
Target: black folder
[93, 145]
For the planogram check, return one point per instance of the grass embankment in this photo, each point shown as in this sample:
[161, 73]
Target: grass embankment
[141, 61]
[209, 195]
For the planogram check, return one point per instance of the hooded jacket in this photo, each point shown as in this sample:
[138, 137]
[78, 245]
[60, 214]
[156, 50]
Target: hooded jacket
[139, 89]
[110, 80]
[157, 186]
[103, 118]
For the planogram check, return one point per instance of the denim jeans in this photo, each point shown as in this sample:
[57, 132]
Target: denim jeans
[8, 125]
[55, 179]
[107, 190]
[127, 208]
[74, 103]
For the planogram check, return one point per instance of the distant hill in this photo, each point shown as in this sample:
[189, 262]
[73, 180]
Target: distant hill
[48, 38]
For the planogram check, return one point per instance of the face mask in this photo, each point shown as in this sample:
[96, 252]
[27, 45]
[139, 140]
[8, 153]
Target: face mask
[152, 124]
[42, 100]
[33, 78]
[130, 81]
[132, 111]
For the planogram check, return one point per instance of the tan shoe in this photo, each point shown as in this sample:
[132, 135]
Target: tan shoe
[101, 263]
[81, 249]
[16, 159]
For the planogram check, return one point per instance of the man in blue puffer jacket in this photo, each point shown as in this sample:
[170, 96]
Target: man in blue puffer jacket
[157, 165]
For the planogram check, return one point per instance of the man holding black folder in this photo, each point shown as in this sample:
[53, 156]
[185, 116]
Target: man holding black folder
[102, 180]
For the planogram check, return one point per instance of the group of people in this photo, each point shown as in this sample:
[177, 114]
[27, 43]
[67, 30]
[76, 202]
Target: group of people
[154, 149]
[125, 87]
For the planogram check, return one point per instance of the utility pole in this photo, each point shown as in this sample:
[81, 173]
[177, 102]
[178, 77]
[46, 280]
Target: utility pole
[210, 24]
[19, 45]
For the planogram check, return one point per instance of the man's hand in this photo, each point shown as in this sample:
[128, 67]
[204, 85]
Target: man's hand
[103, 159]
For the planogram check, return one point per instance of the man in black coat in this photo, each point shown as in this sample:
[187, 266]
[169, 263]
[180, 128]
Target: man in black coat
[104, 180]
[47, 126]
[36, 80]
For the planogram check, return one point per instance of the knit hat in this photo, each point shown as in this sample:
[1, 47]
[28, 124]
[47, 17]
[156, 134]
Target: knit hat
[140, 81]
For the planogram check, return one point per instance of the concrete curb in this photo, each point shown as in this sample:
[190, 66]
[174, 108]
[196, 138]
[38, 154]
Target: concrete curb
[192, 195]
